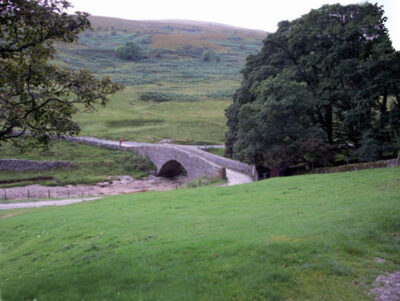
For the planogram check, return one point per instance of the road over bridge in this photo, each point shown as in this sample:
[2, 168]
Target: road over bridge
[172, 159]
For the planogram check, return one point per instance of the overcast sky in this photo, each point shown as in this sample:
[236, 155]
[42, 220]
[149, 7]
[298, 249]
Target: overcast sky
[254, 14]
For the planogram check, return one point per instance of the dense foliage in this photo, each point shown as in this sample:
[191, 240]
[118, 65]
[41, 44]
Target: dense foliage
[323, 87]
[37, 97]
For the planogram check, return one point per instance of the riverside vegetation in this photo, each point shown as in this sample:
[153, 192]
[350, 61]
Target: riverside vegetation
[313, 237]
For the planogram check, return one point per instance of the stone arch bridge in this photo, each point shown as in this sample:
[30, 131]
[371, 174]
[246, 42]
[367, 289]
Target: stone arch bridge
[171, 159]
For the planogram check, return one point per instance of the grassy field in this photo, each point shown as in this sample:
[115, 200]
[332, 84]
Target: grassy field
[310, 237]
[92, 164]
[186, 122]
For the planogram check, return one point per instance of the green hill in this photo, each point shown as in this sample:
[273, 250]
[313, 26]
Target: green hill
[171, 69]
[311, 237]
[171, 51]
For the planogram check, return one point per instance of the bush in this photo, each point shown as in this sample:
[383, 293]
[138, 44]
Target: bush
[206, 56]
[130, 51]
[209, 56]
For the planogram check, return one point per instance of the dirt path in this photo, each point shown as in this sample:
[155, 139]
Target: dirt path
[44, 203]
[124, 184]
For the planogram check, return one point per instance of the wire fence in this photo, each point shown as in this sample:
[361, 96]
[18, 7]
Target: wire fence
[32, 194]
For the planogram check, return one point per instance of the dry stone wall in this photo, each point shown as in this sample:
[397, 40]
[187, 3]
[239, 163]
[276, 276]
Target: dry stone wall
[25, 165]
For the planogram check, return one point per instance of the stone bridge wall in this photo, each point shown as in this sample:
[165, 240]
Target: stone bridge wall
[195, 165]
[225, 162]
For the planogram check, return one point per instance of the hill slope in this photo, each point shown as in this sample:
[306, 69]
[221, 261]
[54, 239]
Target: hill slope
[171, 50]
[171, 92]
[299, 238]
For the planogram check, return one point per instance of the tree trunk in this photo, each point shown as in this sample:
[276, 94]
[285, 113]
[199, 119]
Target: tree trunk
[383, 109]
[329, 123]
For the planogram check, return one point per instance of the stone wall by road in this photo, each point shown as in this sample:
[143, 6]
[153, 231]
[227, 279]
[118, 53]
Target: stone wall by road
[24, 165]
[225, 162]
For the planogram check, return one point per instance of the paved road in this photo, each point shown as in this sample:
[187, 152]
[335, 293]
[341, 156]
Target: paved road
[236, 178]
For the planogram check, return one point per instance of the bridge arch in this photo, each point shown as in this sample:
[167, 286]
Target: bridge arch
[169, 158]
[172, 168]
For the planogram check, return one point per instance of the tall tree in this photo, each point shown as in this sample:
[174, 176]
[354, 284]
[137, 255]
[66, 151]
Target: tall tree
[37, 97]
[324, 84]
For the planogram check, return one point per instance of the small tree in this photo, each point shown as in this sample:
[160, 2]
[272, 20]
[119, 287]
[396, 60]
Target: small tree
[130, 51]
[206, 56]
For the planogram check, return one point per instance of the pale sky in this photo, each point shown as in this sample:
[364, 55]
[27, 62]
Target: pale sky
[253, 14]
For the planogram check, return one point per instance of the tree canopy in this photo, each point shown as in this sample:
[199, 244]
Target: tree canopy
[324, 86]
[36, 96]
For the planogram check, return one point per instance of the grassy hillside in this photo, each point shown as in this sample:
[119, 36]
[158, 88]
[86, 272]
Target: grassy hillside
[171, 90]
[186, 122]
[299, 238]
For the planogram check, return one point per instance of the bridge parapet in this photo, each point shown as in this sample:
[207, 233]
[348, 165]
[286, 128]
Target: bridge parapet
[225, 162]
[160, 154]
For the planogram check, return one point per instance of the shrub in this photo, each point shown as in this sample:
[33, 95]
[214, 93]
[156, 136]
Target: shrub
[209, 56]
[130, 51]
[206, 56]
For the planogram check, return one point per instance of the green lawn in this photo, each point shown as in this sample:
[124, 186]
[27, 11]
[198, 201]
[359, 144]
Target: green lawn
[186, 122]
[92, 164]
[311, 237]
